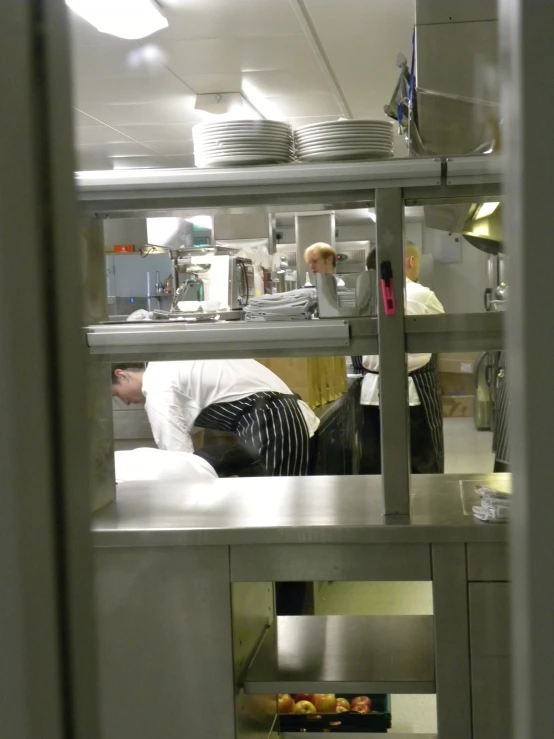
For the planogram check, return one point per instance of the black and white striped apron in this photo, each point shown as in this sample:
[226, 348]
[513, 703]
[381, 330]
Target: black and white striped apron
[269, 424]
[500, 440]
[429, 431]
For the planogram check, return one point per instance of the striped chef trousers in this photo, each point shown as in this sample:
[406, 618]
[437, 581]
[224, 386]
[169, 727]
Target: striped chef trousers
[269, 424]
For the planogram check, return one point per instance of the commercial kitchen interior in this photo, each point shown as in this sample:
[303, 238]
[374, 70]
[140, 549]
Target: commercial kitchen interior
[134, 104]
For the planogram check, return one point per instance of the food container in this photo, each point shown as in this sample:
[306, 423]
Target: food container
[124, 248]
[351, 722]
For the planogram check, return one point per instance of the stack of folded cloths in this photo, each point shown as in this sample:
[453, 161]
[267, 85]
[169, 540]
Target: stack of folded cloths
[296, 305]
[494, 506]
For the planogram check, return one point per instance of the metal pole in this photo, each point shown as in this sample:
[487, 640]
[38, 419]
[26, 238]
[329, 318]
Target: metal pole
[526, 35]
[48, 680]
[100, 411]
[395, 457]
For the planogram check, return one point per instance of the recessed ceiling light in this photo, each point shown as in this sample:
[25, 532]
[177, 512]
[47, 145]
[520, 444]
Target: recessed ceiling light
[128, 19]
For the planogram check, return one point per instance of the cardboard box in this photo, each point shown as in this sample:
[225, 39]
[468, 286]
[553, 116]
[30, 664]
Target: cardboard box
[457, 406]
[461, 363]
[318, 380]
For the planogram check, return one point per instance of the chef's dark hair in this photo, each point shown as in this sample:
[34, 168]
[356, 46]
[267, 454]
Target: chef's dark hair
[233, 460]
[129, 366]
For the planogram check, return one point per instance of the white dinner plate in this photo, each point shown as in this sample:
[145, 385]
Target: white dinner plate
[346, 125]
[343, 135]
[343, 155]
[213, 150]
[239, 159]
[339, 149]
[349, 143]
[246, 126]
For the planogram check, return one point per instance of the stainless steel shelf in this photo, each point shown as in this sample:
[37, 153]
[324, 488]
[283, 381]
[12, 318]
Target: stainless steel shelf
[480, 170]
[218, 341]
[349, 654]
[326, 337]
[138, 190]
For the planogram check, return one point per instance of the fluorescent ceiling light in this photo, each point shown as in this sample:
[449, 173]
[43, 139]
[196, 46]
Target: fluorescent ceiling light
[260, 102]
[227, 105]
[129, 19]
[485, 209]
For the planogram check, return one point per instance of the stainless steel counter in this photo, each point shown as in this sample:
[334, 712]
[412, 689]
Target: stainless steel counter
[309, 510]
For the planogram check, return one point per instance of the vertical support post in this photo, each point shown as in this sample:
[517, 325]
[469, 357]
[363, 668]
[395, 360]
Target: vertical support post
[48, 679]
[451, 615]
[393, 389]
[526, 38]
[309, 230]
[100, 413]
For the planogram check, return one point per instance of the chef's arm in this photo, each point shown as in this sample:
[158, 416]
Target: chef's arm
[171, 420]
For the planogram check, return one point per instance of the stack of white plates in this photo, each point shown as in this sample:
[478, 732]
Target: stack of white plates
[339, 140]
[233, 143]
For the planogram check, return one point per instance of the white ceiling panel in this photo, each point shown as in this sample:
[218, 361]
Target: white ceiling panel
[195, 19]
[307, 105]
[170, 110]
[98, 135]
[308, 119]
[232, 55]
[361, 39]
[118, 90]
[172, 148]
[169, 133]
[122, 148]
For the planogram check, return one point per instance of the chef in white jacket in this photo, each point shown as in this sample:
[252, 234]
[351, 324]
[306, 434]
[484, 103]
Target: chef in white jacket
[237, 395]
[424, 396]
[321, 258]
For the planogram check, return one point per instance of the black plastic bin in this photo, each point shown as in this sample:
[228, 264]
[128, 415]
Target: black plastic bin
[378, 721]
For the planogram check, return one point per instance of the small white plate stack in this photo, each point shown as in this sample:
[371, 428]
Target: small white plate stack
[334, 141]
[235, 143]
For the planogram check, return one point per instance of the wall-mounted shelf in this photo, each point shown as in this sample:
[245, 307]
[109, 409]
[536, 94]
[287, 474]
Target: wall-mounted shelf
[345, 654]
[326, 337]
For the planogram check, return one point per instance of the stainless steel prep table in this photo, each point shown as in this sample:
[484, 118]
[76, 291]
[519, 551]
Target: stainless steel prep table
[185, 598]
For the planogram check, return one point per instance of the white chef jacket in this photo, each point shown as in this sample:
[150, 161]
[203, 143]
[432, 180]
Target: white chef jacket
[176, 393]
[419, 300]
[140, 465]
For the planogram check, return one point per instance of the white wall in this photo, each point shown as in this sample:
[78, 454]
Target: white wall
[460, 287]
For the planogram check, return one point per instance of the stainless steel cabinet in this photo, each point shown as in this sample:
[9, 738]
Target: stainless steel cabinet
[489, 617]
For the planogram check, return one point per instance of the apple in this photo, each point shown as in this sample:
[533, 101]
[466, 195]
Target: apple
[361, 708]
[342, 702]
[325, 702]
[303, 697]
[286, 703]
[361, 700]
[342, 709]
[304, 707]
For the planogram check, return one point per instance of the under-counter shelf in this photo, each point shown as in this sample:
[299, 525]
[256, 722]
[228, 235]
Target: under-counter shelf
[345, 654]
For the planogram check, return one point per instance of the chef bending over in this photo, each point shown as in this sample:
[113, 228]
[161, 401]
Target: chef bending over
[237, 395]
[424, 396]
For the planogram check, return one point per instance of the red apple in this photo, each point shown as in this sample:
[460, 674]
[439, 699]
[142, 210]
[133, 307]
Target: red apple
[361, 700]
[361, 708]
[286, 703]
[343, 703]
[325, 702]
[303, 697]
[342, 709]
[304, 707]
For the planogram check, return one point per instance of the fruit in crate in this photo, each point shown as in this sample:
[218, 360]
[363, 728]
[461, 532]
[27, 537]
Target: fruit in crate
[304, 707]
[303, 697]
[325, 702]
[343, 703]
[286, 703]
[342, 709]
[360, 702]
